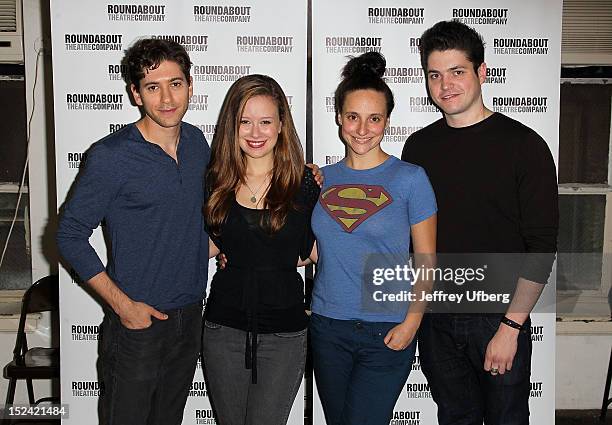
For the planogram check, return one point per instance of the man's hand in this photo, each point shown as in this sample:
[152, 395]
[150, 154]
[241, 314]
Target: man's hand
[501, 350]
[400, 336]
[317, 174]
[502, 347]
[133, 314]
[137, 315]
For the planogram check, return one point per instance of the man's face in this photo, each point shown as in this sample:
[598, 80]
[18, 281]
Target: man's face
[455, 87]
[164, 95]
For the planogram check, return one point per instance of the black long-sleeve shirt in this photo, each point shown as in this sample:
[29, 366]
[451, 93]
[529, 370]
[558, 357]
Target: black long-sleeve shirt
[496, 188]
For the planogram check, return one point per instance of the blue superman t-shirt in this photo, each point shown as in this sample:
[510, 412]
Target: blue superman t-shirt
[362, 221]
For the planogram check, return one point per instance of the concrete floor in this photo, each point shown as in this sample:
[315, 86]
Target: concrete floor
[581, 417]
[562, 417]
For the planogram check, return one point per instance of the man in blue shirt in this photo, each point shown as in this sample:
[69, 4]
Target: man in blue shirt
[146, 183]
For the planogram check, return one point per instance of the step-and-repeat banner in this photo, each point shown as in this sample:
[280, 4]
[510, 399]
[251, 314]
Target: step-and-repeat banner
[225, 40]
[522, 52]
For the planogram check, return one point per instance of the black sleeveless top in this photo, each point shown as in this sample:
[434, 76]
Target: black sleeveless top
[260, 290]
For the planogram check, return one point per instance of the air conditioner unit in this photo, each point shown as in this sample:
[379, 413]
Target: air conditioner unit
[11, 32]
[587, 32]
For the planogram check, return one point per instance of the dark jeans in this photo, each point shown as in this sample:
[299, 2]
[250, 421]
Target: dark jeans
[358, 377]
[280, 367]
[147, 373]
[452, 351]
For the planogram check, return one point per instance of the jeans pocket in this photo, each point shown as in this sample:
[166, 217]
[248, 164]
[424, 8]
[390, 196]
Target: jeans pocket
[380, 331]
[212, 325]
[290, 334]
[492, 321]
[139, 330]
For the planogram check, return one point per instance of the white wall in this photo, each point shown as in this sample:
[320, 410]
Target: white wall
[43, 208]
[582, 364]
[42, 187]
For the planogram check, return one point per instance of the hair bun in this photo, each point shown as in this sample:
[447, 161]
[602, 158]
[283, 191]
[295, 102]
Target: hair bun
[372, 63]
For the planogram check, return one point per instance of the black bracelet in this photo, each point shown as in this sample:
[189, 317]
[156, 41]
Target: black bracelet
[511, 323]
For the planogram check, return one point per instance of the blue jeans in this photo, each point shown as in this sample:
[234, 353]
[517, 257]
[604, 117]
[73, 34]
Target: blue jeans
[452, 350]
[280, 367]
[146, 373]
[358, 377]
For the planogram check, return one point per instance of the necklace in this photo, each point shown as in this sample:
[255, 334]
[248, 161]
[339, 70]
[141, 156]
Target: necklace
[254, 193]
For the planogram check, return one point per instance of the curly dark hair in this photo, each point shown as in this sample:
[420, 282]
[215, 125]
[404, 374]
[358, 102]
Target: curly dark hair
[148, 53]
[452, 35]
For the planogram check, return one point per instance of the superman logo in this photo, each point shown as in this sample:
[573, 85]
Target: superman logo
[352, 204]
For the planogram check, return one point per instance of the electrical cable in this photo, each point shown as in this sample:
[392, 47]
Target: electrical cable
[27, 161]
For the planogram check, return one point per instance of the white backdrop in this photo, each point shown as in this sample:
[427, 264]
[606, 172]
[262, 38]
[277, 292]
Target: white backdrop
[524, 84]
[89, 38]
[226, 40]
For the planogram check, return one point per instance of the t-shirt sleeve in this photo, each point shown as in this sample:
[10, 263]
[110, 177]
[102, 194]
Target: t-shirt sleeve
[310, 195]
[421, 199]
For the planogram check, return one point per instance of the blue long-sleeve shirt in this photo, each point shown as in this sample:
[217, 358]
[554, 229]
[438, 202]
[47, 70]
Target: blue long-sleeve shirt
[152, 208]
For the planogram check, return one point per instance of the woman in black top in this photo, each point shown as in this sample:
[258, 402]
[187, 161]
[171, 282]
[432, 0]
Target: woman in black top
[258, 214]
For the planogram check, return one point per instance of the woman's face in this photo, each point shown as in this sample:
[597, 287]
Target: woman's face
[363, 120]
[259, 128]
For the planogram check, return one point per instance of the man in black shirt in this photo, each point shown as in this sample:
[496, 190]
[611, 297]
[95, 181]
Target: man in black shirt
[495, 184]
